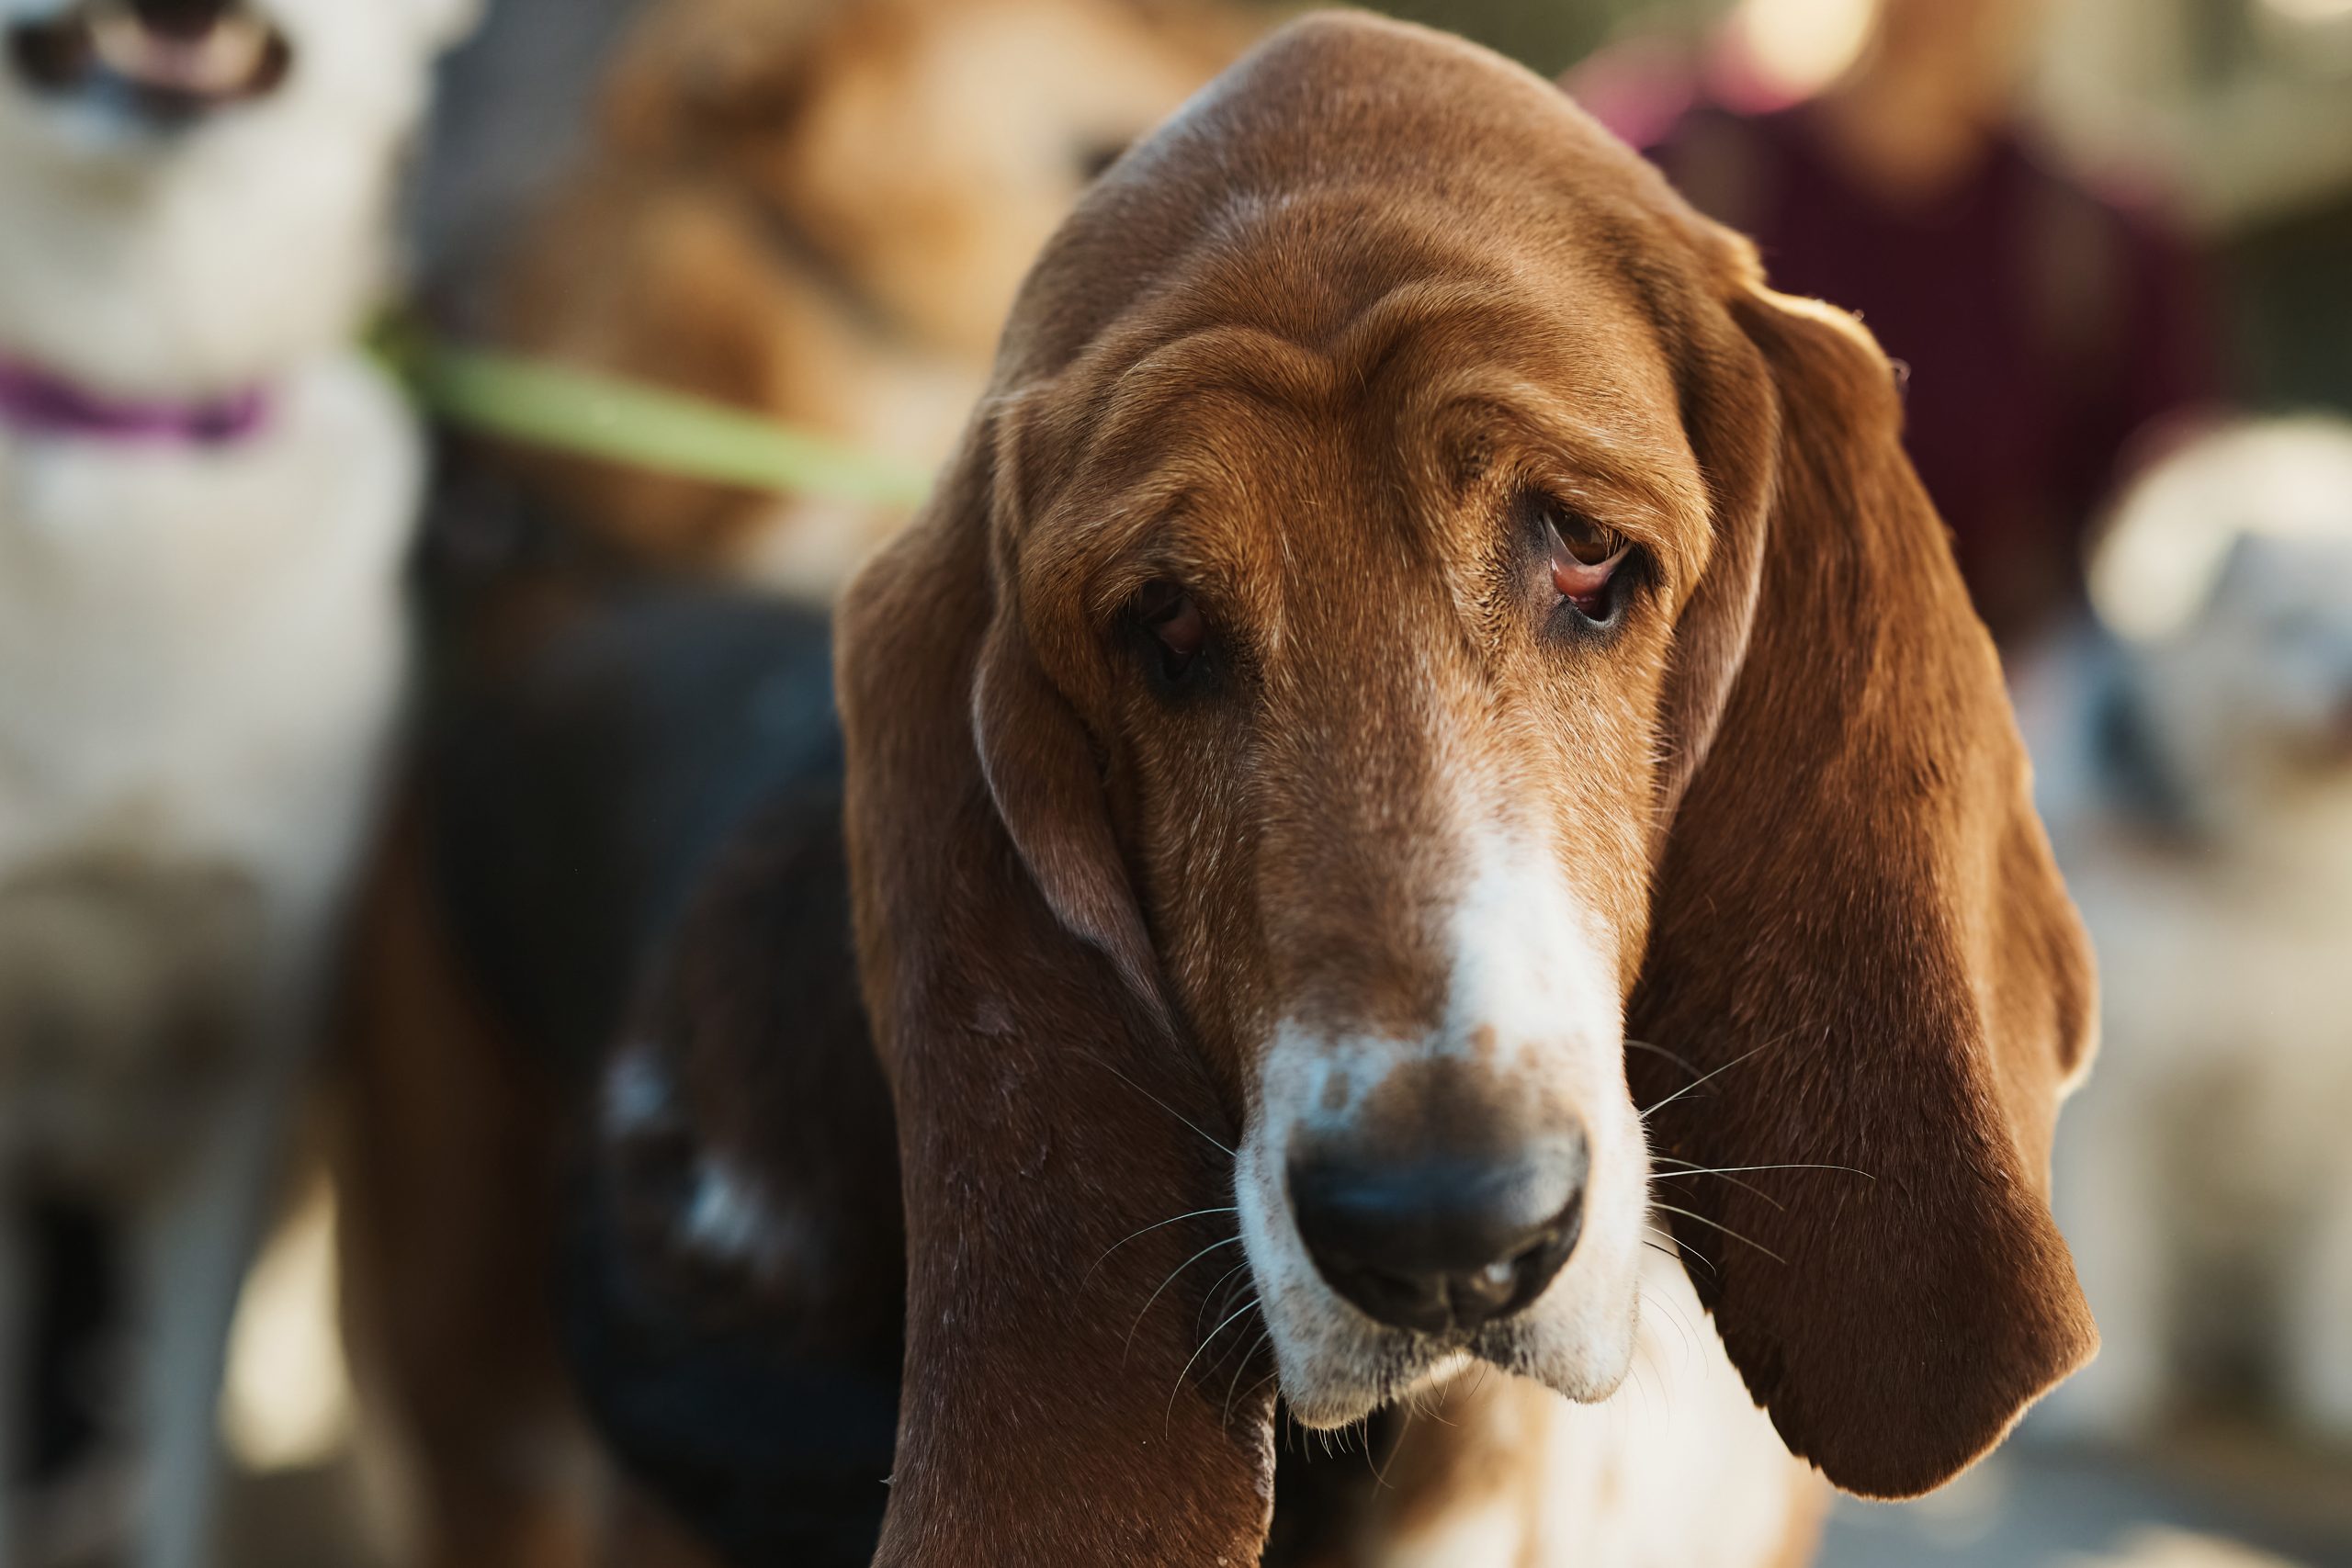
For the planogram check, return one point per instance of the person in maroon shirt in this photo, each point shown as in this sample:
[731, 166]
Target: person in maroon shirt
[2045, 325]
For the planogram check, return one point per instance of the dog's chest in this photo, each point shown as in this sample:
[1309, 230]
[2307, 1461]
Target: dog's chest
[1507, 1474]
[200, 646]
[2227, 990]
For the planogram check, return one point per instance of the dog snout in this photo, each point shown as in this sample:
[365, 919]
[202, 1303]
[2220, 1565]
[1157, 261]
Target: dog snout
[1440, 1238]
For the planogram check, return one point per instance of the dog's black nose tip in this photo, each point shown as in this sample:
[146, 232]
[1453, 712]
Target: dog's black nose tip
[1441, 1241]
[181, 19]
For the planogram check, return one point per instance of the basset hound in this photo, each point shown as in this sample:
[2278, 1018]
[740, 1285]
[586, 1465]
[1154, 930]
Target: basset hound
[1432, 844]
[1429, 738]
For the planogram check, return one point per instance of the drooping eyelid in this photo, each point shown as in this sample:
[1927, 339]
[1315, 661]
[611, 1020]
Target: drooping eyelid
[1649, 491]
[1113, 552]
[1111, 592]
[1622, 550]
[1584, 495]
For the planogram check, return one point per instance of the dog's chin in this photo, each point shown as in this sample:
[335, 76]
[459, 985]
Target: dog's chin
[101, 54]
[1325, 1400]
[1335, 1366]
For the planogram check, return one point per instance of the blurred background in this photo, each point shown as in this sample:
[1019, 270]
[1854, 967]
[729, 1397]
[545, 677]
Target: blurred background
[2111, 239]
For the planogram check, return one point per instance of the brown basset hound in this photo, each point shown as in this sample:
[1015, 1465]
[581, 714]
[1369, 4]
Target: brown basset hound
[1430, 725]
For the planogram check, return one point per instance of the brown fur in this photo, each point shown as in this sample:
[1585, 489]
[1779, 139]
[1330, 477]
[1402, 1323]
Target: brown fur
[445, 1170]
[1300, 353]
[1483, 1444]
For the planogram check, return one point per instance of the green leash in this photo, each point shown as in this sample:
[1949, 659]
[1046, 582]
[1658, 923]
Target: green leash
[588, 414]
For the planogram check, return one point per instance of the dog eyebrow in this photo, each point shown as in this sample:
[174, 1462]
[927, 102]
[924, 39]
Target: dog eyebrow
[1624, 466]
[1619, 469]
[1261, 365]
[1628, 474]
[1624, 471]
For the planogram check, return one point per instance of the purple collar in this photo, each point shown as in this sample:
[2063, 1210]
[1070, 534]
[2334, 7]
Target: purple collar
[44, 404]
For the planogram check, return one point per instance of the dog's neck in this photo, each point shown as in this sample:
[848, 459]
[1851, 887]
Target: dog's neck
[41, 402]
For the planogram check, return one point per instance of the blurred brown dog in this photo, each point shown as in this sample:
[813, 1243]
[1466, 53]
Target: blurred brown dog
[820, 209]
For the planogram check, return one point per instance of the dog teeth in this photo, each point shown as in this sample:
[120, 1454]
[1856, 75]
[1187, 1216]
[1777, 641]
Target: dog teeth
[221, 62]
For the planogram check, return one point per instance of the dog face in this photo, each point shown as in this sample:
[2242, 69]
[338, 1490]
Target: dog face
[1432, 623]
[2270, 673]
[2228, 572]
[198, 188]
[1371, 595]
[121, 69]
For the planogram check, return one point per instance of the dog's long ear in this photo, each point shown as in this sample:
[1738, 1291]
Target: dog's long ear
[1860, 938]
[1055, 1142]
[1042, 767]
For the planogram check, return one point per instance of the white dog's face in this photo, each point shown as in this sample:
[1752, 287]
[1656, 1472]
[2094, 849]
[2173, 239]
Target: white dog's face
[198, 190]
[138, 75]
[2228, 573]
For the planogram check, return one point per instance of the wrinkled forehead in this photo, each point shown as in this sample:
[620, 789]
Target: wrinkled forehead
[1320, 359]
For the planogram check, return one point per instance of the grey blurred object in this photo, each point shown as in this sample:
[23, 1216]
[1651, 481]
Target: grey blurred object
[2222, 1498]
[513, 110]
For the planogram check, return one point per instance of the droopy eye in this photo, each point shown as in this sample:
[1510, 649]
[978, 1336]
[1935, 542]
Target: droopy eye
[1585, 558]
[1167, 611]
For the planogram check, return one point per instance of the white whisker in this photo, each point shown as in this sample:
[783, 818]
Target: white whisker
[1180, 1116]
[1228, 1209]
[1168, 1419]
[1155, 1295]
[1694, 1083]
[1715, 1225]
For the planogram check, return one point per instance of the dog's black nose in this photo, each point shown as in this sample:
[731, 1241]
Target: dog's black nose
[181, 19]
[1440, 1240]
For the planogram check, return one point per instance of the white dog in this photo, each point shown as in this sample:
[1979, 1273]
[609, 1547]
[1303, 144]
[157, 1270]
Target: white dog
[205, 496]
[2197, 771]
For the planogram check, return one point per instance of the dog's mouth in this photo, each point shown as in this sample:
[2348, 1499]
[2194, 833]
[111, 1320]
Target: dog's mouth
[170, 60]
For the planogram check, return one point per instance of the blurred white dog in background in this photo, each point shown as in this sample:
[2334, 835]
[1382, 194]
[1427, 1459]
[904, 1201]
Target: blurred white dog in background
[2197, 774]
[205, 498]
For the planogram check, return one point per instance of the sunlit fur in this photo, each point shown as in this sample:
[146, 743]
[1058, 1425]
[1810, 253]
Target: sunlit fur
[1495, 1472]
[1308, 353]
